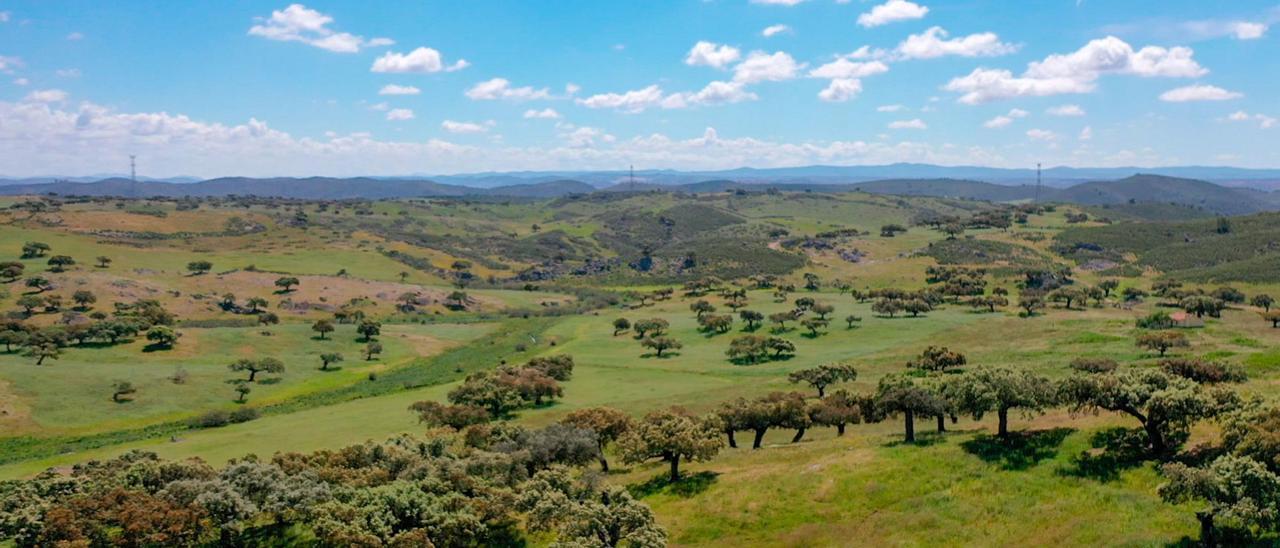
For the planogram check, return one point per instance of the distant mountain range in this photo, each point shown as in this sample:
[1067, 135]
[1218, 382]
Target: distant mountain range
[1138, 188]
[1060, 176]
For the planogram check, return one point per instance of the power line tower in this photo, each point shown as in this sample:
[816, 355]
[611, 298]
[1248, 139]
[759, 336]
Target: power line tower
[1037, 181]
[133, 175]
[633, 175]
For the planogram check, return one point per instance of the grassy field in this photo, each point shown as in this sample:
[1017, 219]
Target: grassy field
[958, 488]
[72, 394]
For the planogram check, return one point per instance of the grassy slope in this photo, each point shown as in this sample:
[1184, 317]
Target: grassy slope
[824, 491]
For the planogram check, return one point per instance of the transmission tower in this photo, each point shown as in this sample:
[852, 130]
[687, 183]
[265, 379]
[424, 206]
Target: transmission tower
[1037, 181]
[133, 168]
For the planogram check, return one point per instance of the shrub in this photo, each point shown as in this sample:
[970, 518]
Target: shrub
[212, 419]
[244, 414]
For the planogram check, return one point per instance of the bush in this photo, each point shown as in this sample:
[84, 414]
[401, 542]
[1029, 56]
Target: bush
[212, 419]
[244, 414]
[1094, 365]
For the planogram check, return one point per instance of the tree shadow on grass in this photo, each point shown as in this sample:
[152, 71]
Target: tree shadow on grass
[922, 440]
[1114, 451]
[665, 355]
[1021, 450]
[688, 486]
[157, 347]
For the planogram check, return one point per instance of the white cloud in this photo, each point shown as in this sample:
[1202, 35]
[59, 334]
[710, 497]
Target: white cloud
[998, 122]
[421, 60]
[298, 23]
[1076, 72]
[1041, 134]
[1066, 111]
[1264, 121]
[1086, 134]
[1198, 92]
[630, 101]
[500, 88]
[773, 30]
[68, 72]
[380, 107]
[46, 96]
[713, 55]
[21, 81]
[760, 67]
[466, 127]
[841, 90]
[398, 114]
[891, 12]
[92, 139]
[890, 108]
[1248, 31]
[777, 2]
[908, 124]
[933, 43]
[844, 68]
[395, 89]
[544, 114]
[7, 64]
[1218, 28]
[714, 93]
[1004, 120]
[4, 16]
[581, 137]
[75, 36]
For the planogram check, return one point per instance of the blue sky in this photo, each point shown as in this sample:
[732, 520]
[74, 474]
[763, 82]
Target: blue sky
[271, 88]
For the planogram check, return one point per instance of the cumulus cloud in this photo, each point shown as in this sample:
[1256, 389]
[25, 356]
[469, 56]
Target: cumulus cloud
[298, 23]
[394, 89]
[1076, 72]
[892, 12]
[466, 127]
[1066, 111]
[908, 124]
[890, 108]
[844, 68]
[714, 93]
[75, 36]
[933, 43]
[420, 60]
[841, 90]
[777, 2]
[1041, 134]
[1198, 92]
[584, 137]
[21, 81]
[1004, 120]
[87, 138]
[773, 30]
[500, 88]
[68, 73]
[1264, 121]
[713, 55]
[1086, 134]
[629, 101]
[7, 64]
[760, 67]
[1214, 28]
[399, 114]
[46, 96]
[544, 114]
